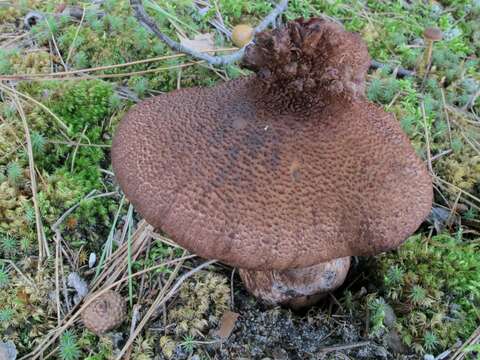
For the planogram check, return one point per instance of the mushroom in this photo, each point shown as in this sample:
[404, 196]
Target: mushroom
[430, 36]
[104, 313]
[242, 34]
[284, 174]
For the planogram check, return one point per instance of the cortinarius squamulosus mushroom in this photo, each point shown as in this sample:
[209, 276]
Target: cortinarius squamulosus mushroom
[284, 174]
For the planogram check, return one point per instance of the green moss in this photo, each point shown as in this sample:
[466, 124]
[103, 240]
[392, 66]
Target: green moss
[434, 288]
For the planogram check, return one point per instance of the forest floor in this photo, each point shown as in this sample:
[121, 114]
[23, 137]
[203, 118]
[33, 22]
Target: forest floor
[69, 70]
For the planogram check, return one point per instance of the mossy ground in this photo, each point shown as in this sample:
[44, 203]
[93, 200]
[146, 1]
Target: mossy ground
[431, 285]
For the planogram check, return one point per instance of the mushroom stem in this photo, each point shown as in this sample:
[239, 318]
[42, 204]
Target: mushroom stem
[426, 58]
[430, 35]
[296, 288]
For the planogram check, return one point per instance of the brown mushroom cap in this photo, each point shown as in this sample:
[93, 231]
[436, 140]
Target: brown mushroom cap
[274, 176]
[242, 34]
[105, 313]
[433, 34]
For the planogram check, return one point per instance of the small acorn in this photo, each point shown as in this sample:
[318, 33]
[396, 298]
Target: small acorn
[242, 34]
[105, 313]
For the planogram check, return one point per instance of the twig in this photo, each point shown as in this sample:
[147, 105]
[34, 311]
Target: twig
[148, 23]
[400, 71]
[443, 153]
[460, 353]
[57, 280]
[328, 349]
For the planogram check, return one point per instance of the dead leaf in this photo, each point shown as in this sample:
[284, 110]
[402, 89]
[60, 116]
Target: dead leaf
[201, 42]
[227, 323]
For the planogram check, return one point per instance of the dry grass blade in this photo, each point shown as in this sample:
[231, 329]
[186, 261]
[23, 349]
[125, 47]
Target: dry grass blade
[25, 277]
[472, 340]
[117, 263]
[427, 138]
[43, 250]
[72, 45]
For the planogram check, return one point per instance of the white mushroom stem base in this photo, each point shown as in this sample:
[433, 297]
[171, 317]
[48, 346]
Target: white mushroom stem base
[296, 288]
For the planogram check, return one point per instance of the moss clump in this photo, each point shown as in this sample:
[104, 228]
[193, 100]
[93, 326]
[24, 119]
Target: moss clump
[26, 313]
[433, 286]
[462, 167]
[34, 62]
[201, 303]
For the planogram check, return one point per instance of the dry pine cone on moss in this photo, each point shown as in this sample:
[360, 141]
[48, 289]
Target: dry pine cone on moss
[105, 313]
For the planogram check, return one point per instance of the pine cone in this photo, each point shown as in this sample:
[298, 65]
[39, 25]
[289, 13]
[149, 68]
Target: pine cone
[105, 313]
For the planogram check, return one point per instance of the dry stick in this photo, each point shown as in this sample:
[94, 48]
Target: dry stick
[57, 280]
[61, 74]
[162, 300]
[328, 349]
[149, 23]
[35, 354]
[400, 71]
[42, 241]
[473, 339]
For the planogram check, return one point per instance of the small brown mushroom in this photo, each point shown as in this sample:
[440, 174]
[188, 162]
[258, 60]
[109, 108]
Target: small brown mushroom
[105, 313]
[284, 174]
[430, 36]
[242, 34]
